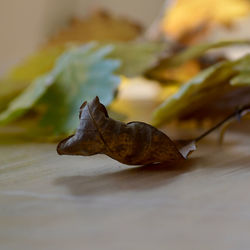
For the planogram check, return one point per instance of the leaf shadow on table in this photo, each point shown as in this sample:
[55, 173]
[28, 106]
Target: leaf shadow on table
[133, 179]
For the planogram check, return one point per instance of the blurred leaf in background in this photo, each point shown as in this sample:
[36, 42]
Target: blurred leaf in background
[137, 57]
[99, 26]
[187, 15]
[79, 74]
[182, 66]
[24, 73]
[195, 51]
[54, 81]
[213, 93]
[173, 75]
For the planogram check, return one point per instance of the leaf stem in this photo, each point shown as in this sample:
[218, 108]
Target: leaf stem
[237, 114]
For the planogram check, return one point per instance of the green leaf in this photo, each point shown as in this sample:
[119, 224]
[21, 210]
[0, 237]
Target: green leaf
[79, 74]
[241, 80]
[198, 50]
[81, 80]
[243, 77]
[212, 89]
[137, 57]
[9, 90]
[26, 99]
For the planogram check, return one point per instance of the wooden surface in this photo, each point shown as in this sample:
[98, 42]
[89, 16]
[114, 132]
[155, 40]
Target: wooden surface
[61, 202]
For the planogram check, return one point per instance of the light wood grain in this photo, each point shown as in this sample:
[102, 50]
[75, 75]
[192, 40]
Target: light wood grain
[61, 202]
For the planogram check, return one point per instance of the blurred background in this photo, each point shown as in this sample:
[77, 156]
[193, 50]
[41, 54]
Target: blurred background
[145, 50]
[26, 24]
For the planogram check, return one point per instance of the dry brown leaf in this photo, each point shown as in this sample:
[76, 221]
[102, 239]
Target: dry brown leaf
[99, 26]
[134, 143]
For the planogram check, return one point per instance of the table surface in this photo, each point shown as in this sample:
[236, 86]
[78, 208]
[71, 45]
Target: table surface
[49, 201]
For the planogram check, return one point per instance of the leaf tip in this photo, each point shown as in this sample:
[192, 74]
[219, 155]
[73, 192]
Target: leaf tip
[97, 99]
[81, 108]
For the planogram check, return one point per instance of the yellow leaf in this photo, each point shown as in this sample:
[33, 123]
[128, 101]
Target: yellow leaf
[35, 65]
[24, 73]
[189, 14]
[178, 74]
